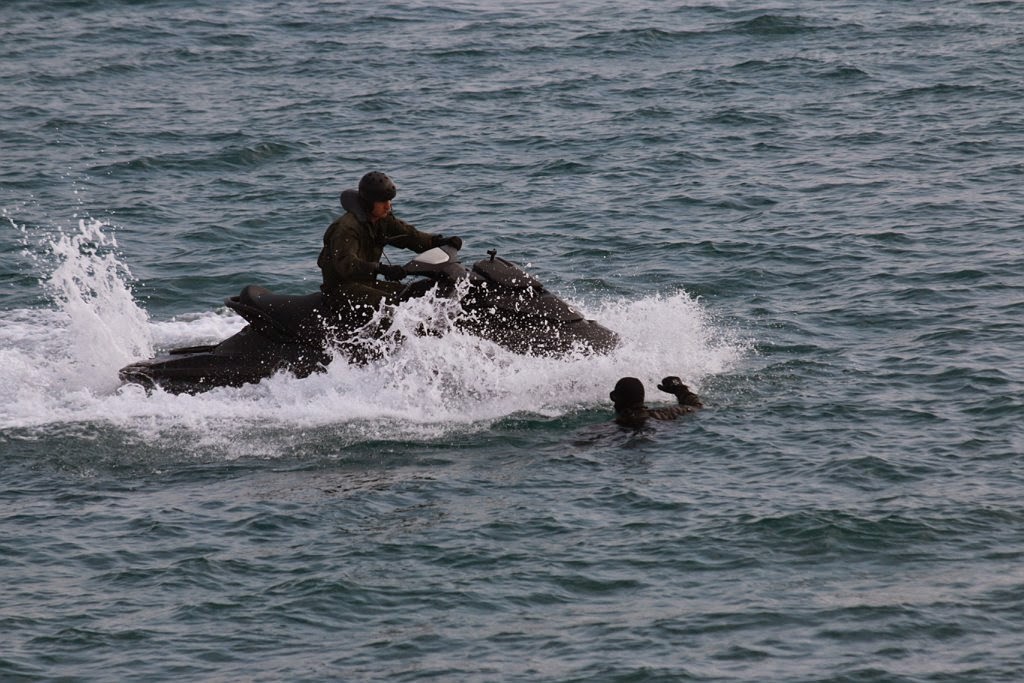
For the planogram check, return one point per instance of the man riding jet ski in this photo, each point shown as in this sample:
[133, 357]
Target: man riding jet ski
[354, 244]
[302, 334]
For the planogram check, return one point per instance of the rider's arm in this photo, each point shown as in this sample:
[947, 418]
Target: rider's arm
[404, 235]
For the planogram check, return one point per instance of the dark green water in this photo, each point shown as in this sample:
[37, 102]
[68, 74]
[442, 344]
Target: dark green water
[812, 212]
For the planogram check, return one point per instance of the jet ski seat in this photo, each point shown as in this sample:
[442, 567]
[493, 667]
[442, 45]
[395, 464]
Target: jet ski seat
[280, 316]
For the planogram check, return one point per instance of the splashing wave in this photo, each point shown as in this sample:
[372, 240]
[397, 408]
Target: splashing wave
[60, 365]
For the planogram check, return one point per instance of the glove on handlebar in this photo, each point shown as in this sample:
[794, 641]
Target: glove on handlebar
[453, 241]
[393, 273]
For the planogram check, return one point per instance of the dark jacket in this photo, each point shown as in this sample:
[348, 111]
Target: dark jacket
[353, 247]
[637, 416]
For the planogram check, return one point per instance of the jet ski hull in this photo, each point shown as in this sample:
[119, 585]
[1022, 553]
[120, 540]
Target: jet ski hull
[244, 358]
[290, 333]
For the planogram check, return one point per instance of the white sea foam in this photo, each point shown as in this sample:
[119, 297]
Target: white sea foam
[59, 365]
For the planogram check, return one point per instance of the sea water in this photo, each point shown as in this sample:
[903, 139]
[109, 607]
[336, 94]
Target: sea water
[810, 212]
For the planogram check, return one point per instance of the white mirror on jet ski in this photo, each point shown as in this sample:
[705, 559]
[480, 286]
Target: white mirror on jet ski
[433, 257]
[441, 263]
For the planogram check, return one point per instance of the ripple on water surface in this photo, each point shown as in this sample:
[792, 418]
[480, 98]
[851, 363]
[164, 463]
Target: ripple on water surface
[810, 214]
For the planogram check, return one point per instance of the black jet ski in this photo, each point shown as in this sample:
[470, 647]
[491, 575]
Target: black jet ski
[302, 334]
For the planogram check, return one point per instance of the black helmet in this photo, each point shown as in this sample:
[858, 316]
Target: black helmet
[376, 187]
[628, 391]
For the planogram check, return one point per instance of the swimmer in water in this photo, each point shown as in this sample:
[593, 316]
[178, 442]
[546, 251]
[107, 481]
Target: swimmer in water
[630, 411]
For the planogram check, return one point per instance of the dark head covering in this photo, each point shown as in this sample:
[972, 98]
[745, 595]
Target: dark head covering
[376, 187]
[628, 391]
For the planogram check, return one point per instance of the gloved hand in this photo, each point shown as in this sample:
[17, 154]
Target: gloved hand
[453, 241]
[673, 385]
[393, 273]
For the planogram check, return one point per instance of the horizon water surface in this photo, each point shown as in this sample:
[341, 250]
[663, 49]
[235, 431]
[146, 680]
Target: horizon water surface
[811, 212]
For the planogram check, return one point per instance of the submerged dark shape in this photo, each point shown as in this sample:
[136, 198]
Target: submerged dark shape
[300, 334]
